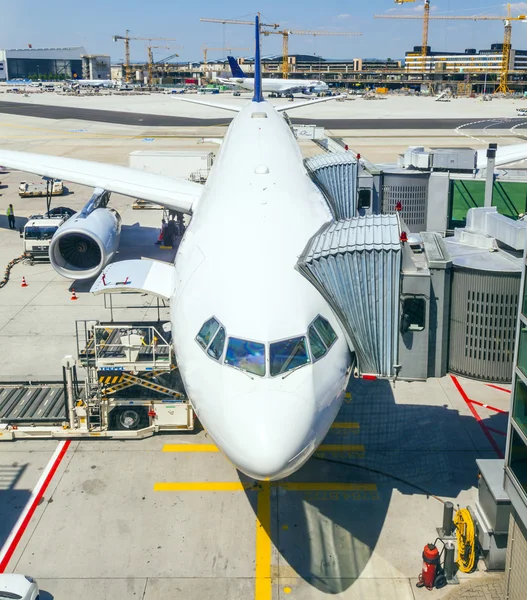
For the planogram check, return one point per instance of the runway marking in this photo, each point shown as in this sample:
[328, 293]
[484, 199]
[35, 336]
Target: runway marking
[190, 448]
[262, 585]
[343, 425]
[351, 448]
[18, 530]
[359, 448]
[263, 571]
[470, 403]
[497, 387]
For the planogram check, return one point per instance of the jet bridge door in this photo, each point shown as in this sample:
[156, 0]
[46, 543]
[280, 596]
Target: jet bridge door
[356, 265]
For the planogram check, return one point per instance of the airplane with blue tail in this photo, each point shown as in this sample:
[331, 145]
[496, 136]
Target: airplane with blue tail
[280, 87]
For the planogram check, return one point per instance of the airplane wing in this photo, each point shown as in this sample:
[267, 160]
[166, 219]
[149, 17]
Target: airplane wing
[177, 194]
[504, 155]
[308, 103]
[145, 276]
[228, 107]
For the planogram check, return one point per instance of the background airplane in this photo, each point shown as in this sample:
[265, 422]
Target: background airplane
[278, 86]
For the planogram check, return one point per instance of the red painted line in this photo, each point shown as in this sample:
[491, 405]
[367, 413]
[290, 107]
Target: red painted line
[489, 407]
[497, 387]
[498, 431]
[484, 428]
[31, 510]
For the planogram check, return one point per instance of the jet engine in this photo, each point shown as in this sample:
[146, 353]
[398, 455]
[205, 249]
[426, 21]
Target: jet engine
[84, 245]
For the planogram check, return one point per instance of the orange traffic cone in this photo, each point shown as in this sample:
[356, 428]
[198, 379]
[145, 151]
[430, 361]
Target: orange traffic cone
[24, 282]
[73, 295]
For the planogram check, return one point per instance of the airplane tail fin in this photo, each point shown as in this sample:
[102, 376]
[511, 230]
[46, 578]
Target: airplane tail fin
[236, 70]
[258, 96]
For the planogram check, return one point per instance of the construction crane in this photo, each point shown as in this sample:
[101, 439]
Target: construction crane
[127, 38]
[151, 61]
[284, 33]
[506, 53]
[206, 50]
[426, 19]
[285, 42]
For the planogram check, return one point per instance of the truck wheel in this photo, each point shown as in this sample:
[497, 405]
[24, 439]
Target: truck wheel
[128, 418]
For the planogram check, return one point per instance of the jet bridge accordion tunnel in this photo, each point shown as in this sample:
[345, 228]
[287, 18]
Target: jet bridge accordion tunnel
[395, 304]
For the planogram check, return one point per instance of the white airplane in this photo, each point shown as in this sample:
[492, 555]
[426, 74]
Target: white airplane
[95, 83]
[263, 359]
[277, 86]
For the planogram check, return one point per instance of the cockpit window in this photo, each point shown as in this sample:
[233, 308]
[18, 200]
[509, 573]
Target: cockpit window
[216, 348]
[206, 333]
[317, 346]
[288, 355]
[245, 355]
[325, 330]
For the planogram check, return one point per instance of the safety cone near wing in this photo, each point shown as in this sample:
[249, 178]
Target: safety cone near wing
[24, 282]
[73, 295]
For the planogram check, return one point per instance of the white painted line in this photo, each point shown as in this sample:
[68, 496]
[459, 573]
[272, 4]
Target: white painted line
[16, 534]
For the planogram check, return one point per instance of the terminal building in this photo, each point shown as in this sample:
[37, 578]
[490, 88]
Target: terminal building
[469, 61]
[41, 63]
[96, 66]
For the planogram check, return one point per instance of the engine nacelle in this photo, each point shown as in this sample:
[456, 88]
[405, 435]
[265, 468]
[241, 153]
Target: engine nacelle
[84, 245]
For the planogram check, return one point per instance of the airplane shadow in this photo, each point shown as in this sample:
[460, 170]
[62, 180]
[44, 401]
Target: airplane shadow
[12, 500]
[328, 537]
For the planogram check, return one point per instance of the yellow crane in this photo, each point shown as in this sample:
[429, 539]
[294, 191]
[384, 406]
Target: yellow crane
[285, 36]
[285, 42]
[506, 53]
[127, 38]
[151, 61]
[206, 50]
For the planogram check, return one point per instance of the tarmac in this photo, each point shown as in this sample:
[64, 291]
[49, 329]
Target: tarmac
[168, 516]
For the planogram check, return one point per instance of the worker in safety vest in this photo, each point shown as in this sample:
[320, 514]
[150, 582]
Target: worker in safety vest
[11, 216]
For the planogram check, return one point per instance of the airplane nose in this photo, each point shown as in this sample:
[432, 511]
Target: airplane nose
[269, 433]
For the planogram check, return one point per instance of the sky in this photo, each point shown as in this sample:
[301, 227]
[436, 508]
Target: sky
[59, 23]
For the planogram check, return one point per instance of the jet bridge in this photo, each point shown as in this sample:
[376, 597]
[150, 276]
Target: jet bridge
[356, 265]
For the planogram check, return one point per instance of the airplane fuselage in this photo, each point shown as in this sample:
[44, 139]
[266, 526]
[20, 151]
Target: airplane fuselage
[236, 263]
[279, 86]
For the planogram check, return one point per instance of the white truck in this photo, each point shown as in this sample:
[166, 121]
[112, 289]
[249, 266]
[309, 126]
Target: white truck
[37, 235]
[27, 189]
[187, 164]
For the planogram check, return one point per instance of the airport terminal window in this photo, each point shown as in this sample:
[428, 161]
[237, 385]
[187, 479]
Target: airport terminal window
[414, 314]
[317, 345]
[325, 330]
[216, 348]
[206, 333]
[364, 199]
[245, 355]
[522, 348]
[288, 355]
[518, 458]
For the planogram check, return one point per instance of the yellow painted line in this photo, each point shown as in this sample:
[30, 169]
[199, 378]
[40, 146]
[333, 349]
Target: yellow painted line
[190, 448]
[344, 425]
[205, 486]
[340, 448]
[263, 586]
[328, 487]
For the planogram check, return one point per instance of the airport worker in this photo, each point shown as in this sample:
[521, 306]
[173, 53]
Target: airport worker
[11, 216]
[170, 233]
[162, 232]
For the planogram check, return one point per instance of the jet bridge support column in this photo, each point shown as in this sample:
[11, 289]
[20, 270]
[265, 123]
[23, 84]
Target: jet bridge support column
[68, 364]
[489, 182]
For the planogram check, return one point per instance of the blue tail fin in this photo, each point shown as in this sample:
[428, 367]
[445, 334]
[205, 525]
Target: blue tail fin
[258, 96]
[236, 70]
